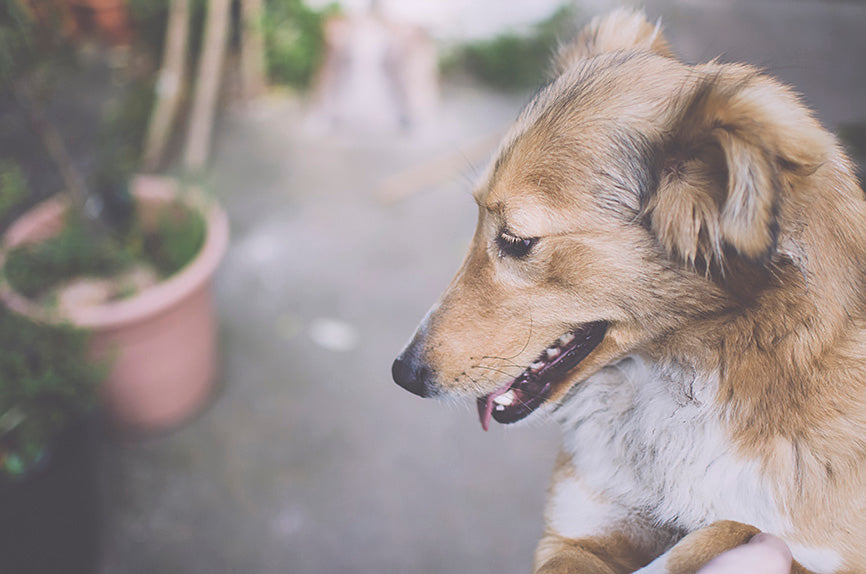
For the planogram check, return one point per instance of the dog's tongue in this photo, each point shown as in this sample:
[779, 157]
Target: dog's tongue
[485, 411]
[485, 405]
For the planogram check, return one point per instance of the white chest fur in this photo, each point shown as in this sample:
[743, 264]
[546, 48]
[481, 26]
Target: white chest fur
[651, 440]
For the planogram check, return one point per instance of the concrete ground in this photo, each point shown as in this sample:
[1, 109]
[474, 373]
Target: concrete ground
[309, 459]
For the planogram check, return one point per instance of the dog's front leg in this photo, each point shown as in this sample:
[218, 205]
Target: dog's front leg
[586, 533]
[619, 552]
[698, 548]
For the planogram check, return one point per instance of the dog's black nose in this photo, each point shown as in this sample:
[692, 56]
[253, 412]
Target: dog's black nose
[412, 375]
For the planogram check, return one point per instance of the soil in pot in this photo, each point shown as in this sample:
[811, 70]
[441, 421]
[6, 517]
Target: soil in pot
[81, 267]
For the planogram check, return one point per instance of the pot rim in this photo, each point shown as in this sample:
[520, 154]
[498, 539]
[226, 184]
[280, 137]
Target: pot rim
[149, 301]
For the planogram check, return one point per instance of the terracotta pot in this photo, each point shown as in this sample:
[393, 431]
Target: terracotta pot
[161, 342]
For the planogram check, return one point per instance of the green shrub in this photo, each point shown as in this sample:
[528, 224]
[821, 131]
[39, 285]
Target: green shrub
[511, 61]
[13, 187]
[46, 383]
[34, 269]
[178, 237]
[294, 41]
[29, 44]
[16, 29]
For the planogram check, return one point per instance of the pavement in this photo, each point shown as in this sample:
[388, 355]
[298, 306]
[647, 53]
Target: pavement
[309, 459]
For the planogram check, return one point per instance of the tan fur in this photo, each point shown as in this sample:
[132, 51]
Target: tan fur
[609, 555]
[706, 215]
[622, 29]
[696, 549]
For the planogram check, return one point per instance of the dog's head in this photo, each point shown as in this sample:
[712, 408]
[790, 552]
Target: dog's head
[629, 195]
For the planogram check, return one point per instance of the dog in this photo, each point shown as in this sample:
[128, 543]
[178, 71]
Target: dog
[670, 261]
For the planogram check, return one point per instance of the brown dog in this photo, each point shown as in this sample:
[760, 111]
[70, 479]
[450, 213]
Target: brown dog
[670, 260]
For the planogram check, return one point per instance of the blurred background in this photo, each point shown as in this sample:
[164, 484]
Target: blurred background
[340, 142]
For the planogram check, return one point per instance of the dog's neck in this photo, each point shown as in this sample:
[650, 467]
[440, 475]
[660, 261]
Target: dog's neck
[774, 349]
[630, 431]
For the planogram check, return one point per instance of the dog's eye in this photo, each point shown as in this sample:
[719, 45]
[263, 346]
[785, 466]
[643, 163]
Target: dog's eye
[512, 246]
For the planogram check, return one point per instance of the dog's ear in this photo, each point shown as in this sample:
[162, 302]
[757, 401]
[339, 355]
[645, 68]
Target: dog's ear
[739, 141]
[620, 30]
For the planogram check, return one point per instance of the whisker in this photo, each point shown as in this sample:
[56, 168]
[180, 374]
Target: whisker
[495, 370]
[507, 360]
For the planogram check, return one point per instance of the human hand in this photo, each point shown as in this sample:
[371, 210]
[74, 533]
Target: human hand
[763, 554]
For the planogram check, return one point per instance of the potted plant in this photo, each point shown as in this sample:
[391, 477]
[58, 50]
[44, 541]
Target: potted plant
[127, 258]
[147, 305]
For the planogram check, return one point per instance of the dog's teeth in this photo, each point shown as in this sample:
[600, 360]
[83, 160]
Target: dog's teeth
[504, 400]
[536, 366]
[566, 339]
[553, 353]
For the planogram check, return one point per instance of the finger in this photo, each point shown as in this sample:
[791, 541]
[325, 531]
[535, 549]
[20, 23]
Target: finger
[763, 554]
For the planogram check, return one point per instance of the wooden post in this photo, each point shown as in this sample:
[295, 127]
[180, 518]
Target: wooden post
[208, 82]
[169, 86]
[253, 65]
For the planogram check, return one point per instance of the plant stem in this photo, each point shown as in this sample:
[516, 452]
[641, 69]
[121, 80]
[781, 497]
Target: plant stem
[57, 151]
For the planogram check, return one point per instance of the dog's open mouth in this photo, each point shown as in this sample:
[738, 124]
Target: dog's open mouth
[516, 400]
